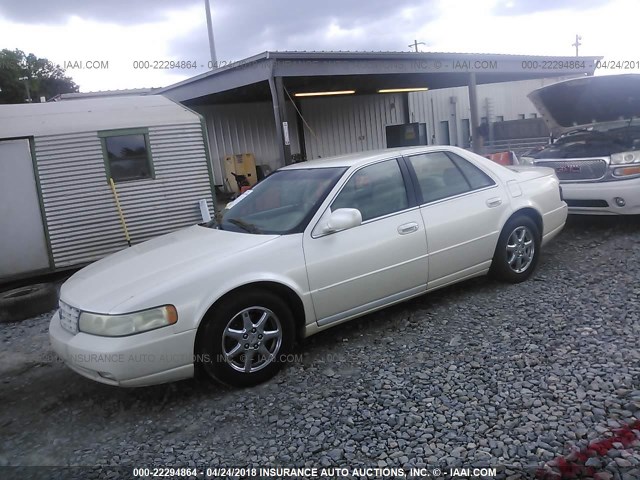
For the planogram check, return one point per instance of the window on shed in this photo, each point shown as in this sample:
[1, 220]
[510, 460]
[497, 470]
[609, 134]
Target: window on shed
[128, 156]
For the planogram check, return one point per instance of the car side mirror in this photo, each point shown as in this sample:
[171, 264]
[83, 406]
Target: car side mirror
[343, 219]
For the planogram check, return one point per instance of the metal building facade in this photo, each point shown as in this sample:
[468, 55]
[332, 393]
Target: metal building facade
[335, 126]
[354, 123]
[244, 128]
[284, 78]
[349, 124]
[446, 111]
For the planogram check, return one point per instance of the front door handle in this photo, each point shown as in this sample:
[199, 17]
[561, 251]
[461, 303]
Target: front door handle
[494, 202]
[408, 228]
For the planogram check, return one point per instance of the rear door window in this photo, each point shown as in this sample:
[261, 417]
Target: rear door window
[476, 177]
[438, 177]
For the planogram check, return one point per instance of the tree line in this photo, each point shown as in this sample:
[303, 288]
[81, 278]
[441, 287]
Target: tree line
[26, 77]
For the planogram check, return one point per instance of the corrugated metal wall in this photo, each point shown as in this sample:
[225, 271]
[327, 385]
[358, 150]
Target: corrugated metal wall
[245, 128]
[340, 125]
[435, 105]
[349, 123]
[80, 210]
[495, 99]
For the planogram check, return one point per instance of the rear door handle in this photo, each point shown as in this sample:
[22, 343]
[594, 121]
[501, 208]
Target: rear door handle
[408, 228]
[494, 202]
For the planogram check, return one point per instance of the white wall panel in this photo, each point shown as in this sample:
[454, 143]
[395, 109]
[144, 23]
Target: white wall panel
[494, 99]
[349, 124]
[245, 128]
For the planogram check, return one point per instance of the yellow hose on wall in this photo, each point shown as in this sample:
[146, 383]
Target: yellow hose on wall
[124, 224]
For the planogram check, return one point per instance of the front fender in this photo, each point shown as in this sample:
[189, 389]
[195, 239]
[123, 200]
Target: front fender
[281, 262]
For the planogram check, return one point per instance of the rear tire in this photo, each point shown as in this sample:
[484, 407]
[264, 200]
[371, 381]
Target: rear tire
[518, 250]
[245, 339]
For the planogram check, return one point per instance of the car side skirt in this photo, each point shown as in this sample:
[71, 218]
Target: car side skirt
[327, 322]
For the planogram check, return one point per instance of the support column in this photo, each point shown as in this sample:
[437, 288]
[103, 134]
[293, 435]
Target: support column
[473, 103]
[280, 117]
[301, 134]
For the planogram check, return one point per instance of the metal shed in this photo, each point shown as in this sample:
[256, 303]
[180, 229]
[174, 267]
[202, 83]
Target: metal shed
[57, 208]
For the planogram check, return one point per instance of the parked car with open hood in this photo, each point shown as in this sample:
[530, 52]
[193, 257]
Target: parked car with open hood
[596, 154]
[313, 245]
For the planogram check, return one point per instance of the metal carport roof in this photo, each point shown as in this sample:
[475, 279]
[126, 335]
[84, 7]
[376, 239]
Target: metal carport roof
[277, 75]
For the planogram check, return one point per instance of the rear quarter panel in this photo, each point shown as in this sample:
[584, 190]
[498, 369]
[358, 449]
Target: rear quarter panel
[543, 195]
[527, 187]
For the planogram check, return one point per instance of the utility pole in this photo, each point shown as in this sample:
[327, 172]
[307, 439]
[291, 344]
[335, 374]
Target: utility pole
[212, 45]
[577, 44]
[26, 86]
[415, 45]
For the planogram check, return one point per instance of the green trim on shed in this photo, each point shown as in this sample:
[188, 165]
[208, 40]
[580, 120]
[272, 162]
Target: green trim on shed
[144, 131]
[207, 153]
[212, 183]
[43, 213]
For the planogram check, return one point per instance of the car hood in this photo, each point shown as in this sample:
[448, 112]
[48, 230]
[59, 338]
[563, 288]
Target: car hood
[105, 284]
[588, 101]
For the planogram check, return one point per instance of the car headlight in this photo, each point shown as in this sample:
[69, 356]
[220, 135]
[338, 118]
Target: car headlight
[129, 323]
[625, 158]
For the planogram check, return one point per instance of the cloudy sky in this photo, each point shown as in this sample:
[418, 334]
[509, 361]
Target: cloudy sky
[120, 34]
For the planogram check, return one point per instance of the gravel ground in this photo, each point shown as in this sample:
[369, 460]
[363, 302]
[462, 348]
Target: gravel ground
[479, 374]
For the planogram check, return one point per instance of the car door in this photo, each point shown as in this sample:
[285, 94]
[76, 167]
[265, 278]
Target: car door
[378, 262]
[462, 208]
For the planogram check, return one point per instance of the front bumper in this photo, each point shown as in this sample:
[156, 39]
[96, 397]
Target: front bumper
[580, 196]
[149, 358]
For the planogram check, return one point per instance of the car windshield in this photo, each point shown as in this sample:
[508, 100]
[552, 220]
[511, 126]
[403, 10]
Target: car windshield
[282, 203]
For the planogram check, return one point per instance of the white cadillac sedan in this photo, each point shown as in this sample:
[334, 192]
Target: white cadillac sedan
[313, 245]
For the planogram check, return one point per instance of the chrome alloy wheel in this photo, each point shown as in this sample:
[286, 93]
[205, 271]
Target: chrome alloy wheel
[521, 249]
[251, 339]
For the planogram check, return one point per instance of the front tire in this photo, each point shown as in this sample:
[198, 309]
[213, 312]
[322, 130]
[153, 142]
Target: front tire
[245, 338]
[518, 250]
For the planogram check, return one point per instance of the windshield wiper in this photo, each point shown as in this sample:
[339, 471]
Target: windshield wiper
[213, 223]
[247, 227]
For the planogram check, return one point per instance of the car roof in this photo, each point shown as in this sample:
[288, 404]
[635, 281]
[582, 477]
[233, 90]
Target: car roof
[363, 158]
